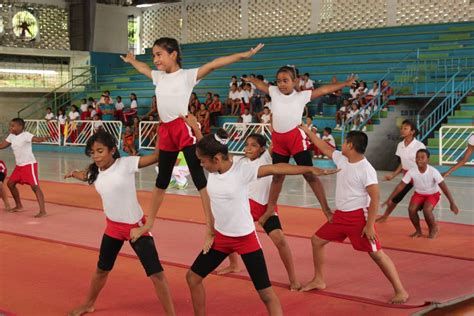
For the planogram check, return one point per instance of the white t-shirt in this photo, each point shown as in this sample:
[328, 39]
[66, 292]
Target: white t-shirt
[352, 113]
[246, 118]
[287, 109]
[62, 119]
[471, 140]
[407, 154]
[119, 106]
[373, 92]
[74, 116]
[309, 84]
[234, 95]
[352, 182]
[424, 183]
[266, 118]
[269, 105]
[84, 107]
[116, 186]
[49, 116]
[245, 95]
[229, 194]
[330, 139]
[259, 190]
[173, 91]
[133, 104]
[22, 148]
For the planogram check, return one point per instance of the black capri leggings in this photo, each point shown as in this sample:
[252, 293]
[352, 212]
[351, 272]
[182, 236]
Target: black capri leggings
[254, 262]
[399, 197]
[166, 163]
[144, 247]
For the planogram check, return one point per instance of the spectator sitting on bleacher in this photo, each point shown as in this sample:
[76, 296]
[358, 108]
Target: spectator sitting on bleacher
[62, 118]
[232, 81]
[202, 116]
[84, 105]
[242, 80]
[192, 110]
[129, 142]
[91, 101]
[107, 108]
[193, 100]
[208, 100]
[105, 98]
[328, 138]
[341, 114]
[49, 115]
[266, 116]
[386, 92]
[73, 117]
[258, 98]
[246, 117]
[119, 109]
[352, 114]
[97, 124]
[374, 91]
[234, 100]
[331, 99]
[153, 108]
[306, 83]
[136, 126]
[87, 114]
[215, 109]
[246, 95]
[127, 114]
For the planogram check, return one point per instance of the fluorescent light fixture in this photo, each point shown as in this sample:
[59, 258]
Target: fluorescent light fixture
[147, 5]
[29, 71]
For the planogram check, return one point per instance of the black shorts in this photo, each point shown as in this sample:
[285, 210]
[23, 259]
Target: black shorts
[272, 223]
[254, 262]
[302, 158]
[144, 247]
[2, 176]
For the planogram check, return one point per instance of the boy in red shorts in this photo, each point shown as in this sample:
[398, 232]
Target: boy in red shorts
[427, 182]
[3, 192]
[26, 169]
[357, 203]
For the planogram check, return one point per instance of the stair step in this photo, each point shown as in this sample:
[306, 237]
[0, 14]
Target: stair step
[461, 113]
[455, 37]
[434, 142]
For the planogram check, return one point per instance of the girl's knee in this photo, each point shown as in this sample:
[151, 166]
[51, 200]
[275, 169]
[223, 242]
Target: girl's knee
[267, 295]
[192, 278]
[317, 242]
[157, 277]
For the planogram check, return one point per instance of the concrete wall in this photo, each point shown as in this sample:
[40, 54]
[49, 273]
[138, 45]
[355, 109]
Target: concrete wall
[10, 104]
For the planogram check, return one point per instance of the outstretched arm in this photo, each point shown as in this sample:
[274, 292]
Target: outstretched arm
[4, 145]
[395, 192]
[80, 175]
[397, 171]
[226, 60]
[321, 144]
[149, 160]
[36, 139]
[141, 67]
[262, 86]
[319, 92]
[460, 163]
[287, 169]
[450, 198]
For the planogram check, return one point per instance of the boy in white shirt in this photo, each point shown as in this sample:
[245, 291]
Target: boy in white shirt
[26, 169]
[246, 117]
[328, 138]
[266, 116]
[427, 181]
[357, 202]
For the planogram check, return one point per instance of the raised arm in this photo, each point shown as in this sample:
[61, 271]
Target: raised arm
[319, 92]
[259, 84]
[226, 60]
[452, 204]
[149, 160]
[321, 144]
[4, 145]
[460, 163]
[141, 67]
[287, 169]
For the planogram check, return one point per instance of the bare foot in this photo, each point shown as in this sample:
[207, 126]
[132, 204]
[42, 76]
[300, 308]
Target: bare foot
[314, 285]
[16, 209]
[399, 298]
[82, 310]
[381, 219]
[229, 269]
[433, 233]
[295, 286]
[40, 214]
[416, 234]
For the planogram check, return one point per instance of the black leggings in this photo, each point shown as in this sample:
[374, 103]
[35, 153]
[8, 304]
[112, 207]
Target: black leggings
[399, 197]
[166, 163]
[254, 262]
[303, 158]
[144, 247]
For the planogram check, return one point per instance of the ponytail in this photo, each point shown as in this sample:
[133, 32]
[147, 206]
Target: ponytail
[213, 144]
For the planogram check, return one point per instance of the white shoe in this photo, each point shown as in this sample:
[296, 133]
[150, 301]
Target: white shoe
[353, 128]
[337, 127]
[364, 129]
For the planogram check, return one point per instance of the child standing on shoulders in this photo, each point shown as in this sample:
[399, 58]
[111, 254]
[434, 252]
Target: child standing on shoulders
[3, 192]
[427, 181]
[357, 202]
[26, 169]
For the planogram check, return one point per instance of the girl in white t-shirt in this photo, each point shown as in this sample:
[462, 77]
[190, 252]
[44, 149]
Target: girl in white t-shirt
[133, 109]
[288, 139]
[406, 152]
[74, 115]
[427, 182]
[174, 86]
[52, 123]
[229, 185]
[125, 219]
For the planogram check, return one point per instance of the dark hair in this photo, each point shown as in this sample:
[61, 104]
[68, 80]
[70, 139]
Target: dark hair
[75, 107]
[310, 117]
[328, 129]
[268, 97]
[107, 91]
[412, 126]
[84, 100]
[266, 107]
[216, 95]
[108, 141]
[170, 45]
[260, 77]
[90, 99]
[423, 150]
[19, 121]
[259, 138]
[134, 95]
[119, 97]
[208, 145]
[234, 76]
[290, 70]
[49, 108]
[209, 93]
[358, 139]
[306, 74]
[244, 76]
[90, 107]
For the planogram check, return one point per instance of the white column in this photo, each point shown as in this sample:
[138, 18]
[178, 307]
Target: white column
[244, 19]
[391, 12]
[184, 18]
[316, 6]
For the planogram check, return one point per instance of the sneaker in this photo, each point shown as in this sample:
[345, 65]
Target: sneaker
[173, 184]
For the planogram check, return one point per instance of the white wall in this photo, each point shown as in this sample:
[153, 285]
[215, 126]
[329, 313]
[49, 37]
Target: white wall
[110, 31]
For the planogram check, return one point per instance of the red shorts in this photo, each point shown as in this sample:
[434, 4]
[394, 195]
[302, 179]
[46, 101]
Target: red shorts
[121, 231]
[26, 174]
[257, 209]
[290, 143]
[348, 224]
[241, 245]
[175, 135]
[420, 199]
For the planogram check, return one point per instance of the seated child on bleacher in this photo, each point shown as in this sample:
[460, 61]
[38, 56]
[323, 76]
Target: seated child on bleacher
[341, 114]
[129, 142]
[215, 109]
[328, 138]
[266, 116]
[246, 117]
[118, 114]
